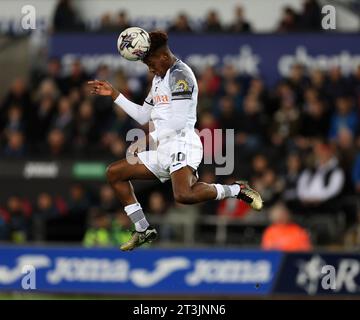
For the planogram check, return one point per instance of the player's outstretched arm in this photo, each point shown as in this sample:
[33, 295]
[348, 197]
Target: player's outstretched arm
[139, 113]
[103, 88]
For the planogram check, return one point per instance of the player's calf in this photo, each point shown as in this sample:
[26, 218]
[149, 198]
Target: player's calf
[185, 197]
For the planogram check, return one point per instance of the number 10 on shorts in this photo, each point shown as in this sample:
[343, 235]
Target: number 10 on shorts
[180, 156]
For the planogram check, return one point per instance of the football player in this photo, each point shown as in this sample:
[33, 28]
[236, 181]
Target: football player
[171, 106]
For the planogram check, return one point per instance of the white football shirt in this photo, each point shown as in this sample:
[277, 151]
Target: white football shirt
[179, 84]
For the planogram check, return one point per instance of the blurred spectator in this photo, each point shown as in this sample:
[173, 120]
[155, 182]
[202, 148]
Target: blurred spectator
[318, 82]
[211, 141]
[76, 78]
[315, 121]
[45, 207]
[122, 21]
[181, 24]
[64, 119]
[258, 90]
[289, 21]
[18, 220]
[345, 148]
[251, 124]
[290, 179]
[14, 120]
[344, 117]
[228, 116]
[356, 174]
[98, 233]
[268, 186]
[233, 90]
[120, 123]
[297, 82]
[318, 186]
[107, 200]
[56, 144]
[310, 17]
[157, 204]
[283, 234]
[118, 147]
[119, 24]
[78, 202]
[259, 165]
[209, 82]
[285, 124]
[85, 131]
[355, 85]
[212, 22]
[52, 72]
[19, 95]
[228, 73]
[337, 85]
[47, 89]
[106, 23]
[15, 147]
[66, 18]
[239, 23]
[41, 120]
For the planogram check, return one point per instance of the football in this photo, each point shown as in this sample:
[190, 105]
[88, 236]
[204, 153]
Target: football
[133, 43]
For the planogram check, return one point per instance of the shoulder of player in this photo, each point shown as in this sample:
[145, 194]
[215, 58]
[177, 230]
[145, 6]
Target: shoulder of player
[179, 72]
[180, 68]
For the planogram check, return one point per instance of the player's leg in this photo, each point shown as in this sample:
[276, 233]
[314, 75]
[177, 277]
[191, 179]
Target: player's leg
[119, 175]
[188, 191]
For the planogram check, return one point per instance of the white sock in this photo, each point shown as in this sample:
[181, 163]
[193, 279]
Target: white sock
[220, 191]
[136, 215]
[226, 191]
[141, 225]
[234, 189]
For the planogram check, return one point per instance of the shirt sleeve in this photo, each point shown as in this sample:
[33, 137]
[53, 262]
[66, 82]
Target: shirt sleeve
[149, 99]
[139, 113]
[181, 85]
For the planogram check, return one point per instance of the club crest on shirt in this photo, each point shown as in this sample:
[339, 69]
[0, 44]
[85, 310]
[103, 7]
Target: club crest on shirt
[181, 85]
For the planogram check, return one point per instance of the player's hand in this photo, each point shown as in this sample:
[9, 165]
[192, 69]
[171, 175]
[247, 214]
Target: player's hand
[102, 88]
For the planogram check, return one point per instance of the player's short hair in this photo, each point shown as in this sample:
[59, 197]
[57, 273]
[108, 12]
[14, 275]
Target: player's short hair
[158, 39]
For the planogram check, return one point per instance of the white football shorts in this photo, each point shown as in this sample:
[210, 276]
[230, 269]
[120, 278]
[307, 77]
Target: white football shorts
[185, 149]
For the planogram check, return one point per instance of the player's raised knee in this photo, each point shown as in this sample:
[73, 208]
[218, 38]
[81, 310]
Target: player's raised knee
[109, 172]
[115, 172]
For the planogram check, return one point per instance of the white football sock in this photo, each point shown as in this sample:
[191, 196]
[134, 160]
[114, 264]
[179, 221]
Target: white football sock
[226, 191]
[136, 215]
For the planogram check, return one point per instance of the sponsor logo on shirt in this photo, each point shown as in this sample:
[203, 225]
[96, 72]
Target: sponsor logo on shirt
[161, 99]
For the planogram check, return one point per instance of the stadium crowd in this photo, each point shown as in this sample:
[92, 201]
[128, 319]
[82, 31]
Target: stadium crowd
[297, 143]
[67, 18]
